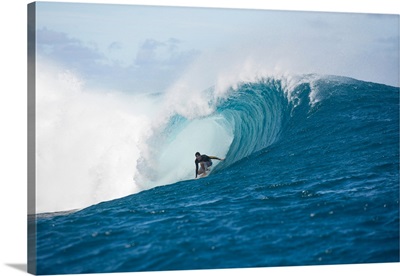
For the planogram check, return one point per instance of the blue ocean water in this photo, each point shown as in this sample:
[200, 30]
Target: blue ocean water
[310, 178]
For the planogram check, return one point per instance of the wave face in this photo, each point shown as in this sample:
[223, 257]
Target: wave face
[311, 177]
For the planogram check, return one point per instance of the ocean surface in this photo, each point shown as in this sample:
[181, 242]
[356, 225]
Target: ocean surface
[310, 177]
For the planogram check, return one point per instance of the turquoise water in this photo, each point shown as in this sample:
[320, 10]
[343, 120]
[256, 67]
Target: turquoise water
[311, 177]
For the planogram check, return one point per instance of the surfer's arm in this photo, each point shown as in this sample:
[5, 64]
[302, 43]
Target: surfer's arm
[214, 157]
[197, 168]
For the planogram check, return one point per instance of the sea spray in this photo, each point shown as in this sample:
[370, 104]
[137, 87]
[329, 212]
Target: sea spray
[95, 145]
[87, 141]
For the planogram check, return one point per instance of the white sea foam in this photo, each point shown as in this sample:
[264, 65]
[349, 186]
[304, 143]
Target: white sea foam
[90, 142]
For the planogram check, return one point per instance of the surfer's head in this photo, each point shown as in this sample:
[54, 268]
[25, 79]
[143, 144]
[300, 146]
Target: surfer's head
[197, 154]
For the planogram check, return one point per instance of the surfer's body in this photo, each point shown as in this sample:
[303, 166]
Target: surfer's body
[205, 162]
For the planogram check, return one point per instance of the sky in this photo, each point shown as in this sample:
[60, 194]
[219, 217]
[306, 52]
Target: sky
[146, 49]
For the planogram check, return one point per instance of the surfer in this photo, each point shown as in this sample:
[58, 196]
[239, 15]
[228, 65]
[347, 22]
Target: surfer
[205, 162]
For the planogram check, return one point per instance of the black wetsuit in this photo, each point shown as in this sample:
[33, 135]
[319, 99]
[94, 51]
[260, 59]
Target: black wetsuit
[204, 158]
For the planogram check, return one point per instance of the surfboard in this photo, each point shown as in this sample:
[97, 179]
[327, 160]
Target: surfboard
[203, 175]
[208, 170]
